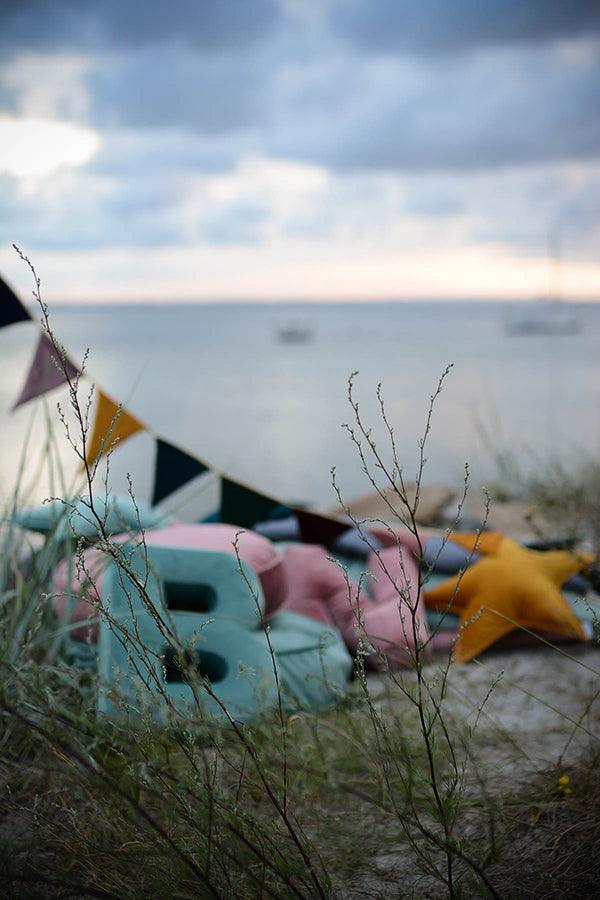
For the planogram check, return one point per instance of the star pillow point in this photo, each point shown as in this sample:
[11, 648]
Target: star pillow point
[509, 587]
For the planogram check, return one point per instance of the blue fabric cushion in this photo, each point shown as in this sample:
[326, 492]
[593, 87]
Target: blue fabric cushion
[140, 671]
[352, 543]
[446, 556]
[76, 519]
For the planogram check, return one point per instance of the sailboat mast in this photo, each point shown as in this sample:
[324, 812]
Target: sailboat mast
[554, 264]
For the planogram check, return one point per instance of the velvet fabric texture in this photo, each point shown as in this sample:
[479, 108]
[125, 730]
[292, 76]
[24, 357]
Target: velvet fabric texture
[75, 596]
[80, 597]
[118, 513]
[303, 581]
[257, 551]
[507, 588]
[380, 613]
[446, 555]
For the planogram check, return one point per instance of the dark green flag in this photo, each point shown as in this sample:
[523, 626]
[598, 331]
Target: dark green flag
[173, 469]
[316, 529]
[11, 308]
[244, 507]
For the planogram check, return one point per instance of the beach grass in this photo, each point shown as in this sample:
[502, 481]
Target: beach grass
[91, 809]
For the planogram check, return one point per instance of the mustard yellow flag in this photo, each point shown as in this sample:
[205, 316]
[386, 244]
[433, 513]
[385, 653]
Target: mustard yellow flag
[110, 425]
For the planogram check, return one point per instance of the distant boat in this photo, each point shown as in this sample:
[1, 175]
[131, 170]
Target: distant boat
[295, 333]
[546, 317]
[549, 315]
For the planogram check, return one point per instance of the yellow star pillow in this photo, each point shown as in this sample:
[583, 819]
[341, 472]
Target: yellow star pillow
[510, 586]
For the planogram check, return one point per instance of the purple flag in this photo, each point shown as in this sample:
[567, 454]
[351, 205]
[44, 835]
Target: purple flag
[46, 372]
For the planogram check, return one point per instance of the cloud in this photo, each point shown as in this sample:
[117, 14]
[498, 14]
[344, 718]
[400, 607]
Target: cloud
[522, 208]
[252, 203]
[317, 129]
[81, 210]
[298, 269]
[75, 211]
[46, 85]
[496, 109]
[502, 108]
[436, 26]
[237, 223]
[298, 91]
[261, 202]
[159, 88]
[162, 154]
[207, 25]
[36, 147]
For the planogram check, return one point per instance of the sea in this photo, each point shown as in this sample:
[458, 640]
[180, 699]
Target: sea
[218, 381]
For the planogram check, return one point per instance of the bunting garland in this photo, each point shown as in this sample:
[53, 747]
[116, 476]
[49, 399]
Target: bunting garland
[113, 423]
[11, 308]
[243, 506]
[227, 500]
[45, 373]
[318, 529]
[173, 469]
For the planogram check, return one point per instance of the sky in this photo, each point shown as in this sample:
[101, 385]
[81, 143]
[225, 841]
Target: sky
[300, 149]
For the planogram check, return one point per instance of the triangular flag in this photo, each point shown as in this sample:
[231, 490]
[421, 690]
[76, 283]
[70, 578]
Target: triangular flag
[11, 308]
[243, 506]
[174, 468]
[316, 529]
[46, 371]
[112, 424]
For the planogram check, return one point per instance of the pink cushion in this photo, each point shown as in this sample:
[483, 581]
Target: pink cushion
[310, 578]
[88, 590]
[390, 538]
[254, 549]
[257, 551]
[318, 588]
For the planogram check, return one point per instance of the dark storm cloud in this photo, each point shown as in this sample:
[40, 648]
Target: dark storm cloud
[159, 88]
[431, 26]
[216, 25]
[496, 109]
[502, 109]
[207, 25]
[441, 95]
[283, 83]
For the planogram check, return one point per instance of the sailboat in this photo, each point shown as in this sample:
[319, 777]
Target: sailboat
[544, 317]
[295, 333]
[549, 315]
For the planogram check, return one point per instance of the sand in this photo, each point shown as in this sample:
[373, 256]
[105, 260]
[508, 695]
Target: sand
[541, 717]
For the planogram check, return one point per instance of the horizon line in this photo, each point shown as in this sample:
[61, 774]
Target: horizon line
[271, 301]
